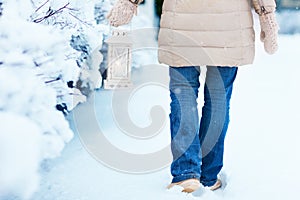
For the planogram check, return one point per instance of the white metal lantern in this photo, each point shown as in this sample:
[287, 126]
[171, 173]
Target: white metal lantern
[119, 60]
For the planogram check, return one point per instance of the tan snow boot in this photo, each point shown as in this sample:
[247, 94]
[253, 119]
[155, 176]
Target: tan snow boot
[189, 185]
[216, 186]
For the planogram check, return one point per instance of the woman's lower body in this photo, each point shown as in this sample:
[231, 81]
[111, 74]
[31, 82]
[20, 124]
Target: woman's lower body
[198, 145]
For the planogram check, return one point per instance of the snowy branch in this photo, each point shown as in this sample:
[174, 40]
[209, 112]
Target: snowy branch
[42, 5]
[86, 23]
[1, 9]
[51, 13]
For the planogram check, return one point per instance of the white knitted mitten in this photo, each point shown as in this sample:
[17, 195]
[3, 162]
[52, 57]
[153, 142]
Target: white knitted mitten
[122, 12]
[269, 32]
[268, 24]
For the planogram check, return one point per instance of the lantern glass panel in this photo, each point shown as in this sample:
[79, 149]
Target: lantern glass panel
[120, 57]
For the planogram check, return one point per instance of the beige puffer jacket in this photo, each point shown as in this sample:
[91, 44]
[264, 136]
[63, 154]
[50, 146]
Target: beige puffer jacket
[206, 32]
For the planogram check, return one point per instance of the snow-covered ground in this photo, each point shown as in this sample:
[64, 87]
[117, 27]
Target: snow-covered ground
[261, 160]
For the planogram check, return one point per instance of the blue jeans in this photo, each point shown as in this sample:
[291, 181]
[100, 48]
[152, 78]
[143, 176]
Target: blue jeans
[198, 148]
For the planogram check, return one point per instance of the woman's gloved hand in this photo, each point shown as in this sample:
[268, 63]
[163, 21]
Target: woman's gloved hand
[269, 31]
[122, 12]
[269, 27]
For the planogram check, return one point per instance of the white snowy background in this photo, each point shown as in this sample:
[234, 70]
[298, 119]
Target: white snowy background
[43, 58]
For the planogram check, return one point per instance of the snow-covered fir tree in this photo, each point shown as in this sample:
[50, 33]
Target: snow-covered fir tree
[49, 60]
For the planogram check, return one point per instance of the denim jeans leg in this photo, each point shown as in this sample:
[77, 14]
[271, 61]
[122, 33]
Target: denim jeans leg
[184, 123]
[215, 120]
